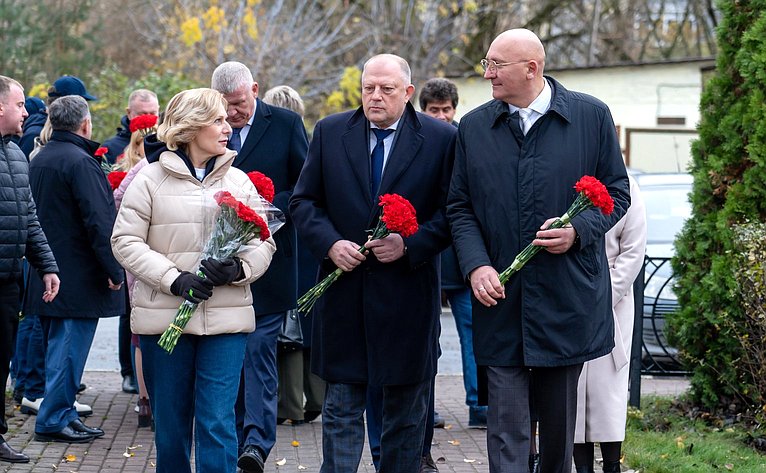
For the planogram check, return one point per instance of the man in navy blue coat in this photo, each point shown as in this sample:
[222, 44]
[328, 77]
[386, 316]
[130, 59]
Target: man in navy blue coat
[379, 322]
[273, 141]
[77, 212]
[518, 159]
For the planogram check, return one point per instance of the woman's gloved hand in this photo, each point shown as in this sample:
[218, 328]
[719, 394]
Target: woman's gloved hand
[191, 287]
[222, 272]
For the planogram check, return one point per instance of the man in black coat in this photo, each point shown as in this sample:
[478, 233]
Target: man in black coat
[140, 102]
[20, 236]
[273, 141]
[33, 125]
[378, 323]
[77, 213]
[518, 158]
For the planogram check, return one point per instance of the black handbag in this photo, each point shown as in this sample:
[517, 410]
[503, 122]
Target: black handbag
[290, 338]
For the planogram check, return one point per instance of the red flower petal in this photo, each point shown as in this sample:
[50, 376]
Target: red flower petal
[115, 178]
[143, 122]
[596, 192]
[263, 184]
[102, 150]
[398, 214]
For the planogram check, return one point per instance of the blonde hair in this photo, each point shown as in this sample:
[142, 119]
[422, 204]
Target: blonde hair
[286, 97]
[187, 113]
[134, 152]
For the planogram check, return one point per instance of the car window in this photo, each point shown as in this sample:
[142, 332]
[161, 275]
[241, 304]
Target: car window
[667, 207]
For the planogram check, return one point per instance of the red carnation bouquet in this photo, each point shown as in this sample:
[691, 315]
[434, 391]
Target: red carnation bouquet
[115, 178]
[263, 185]
[235, 225]
[398, 216]
[590, 193]
[144, 123]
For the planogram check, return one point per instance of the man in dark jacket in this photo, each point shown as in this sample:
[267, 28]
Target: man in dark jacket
[20, 235]
[518, 158]
[379, 322]
[140, 102]
[34, 123]
[273, 141]
[77, 212]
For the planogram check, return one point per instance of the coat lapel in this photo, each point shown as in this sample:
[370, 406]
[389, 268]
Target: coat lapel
[406, 147]
[355, 143]
[261, 123]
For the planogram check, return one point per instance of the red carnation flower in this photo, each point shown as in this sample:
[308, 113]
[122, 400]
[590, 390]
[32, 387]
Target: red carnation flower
[263, 184]
[596, 192]
[143, 122]
[115, 178]
[398, 214]
[101, 151]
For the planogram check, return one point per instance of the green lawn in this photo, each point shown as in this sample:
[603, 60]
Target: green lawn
[660, 439]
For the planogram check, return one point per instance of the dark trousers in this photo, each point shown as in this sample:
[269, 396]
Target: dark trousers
[30, 357]
[403, 427]
[123, 344]
[68, 342]
[554, 392]
[9, 322]
[374, 416]
[256, 408]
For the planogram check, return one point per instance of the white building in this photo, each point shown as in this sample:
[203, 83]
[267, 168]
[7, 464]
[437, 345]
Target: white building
[655, 106]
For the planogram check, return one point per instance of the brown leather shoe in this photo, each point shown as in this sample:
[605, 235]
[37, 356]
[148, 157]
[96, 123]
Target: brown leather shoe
[144, 412]
[8, 454]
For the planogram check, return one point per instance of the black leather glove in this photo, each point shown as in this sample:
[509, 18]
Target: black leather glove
[201, 288]
[222, 272]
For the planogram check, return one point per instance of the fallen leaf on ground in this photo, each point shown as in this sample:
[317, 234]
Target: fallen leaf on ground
[453, 442]
[70, 458]
[295, 443]
[281, 462]
[729, 466]
[441, 460]
[134, 447]
[468, 460]
[128, 453]
[448, 427]
[301, 467]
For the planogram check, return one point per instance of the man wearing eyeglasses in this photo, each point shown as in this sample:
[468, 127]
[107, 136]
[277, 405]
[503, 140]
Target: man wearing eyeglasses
[517, 158]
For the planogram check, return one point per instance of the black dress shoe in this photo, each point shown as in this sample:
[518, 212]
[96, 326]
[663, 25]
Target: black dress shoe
[428, 465]
[129, 384]
[8, 454]
[308, 416]
[65, 435]
[251, 460]
[78, 426]
[81, 388]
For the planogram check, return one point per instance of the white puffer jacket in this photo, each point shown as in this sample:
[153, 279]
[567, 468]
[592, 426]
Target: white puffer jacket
[161, 228]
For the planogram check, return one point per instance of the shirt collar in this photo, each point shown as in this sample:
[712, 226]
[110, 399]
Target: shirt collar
[541, 103]
[393, 126]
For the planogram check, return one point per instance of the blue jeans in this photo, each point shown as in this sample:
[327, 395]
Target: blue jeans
[68, 342]
[30, 358]
[460, 302]
[256, 407]
[403, 425]
[193, 390]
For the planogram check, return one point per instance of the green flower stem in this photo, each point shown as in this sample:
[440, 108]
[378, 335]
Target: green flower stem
[170, 337]
[306, 302]
[581, 203]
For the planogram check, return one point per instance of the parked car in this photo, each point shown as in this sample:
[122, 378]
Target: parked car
[666, 197]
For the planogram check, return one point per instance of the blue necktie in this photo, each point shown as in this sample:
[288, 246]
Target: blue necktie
[234, 141]
[376, 159]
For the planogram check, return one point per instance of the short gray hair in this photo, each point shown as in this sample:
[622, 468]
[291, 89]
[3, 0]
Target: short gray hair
[403, 65]
[286, 97]
[142, 95]
[5, 86]
[230, 76]
[67, 113]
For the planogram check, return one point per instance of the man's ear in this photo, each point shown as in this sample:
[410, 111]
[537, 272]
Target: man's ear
[255, 89]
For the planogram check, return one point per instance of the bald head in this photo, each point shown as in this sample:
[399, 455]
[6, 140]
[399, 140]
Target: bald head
[520, 59]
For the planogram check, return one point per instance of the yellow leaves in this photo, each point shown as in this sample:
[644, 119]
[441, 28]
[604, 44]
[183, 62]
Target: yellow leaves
[191, 33]
[129, 451]
[454, 442]
[39, 90]
[470, 6]
[214, 19]
[70, 458]
[252, 3]
[295, 443]
[251, 24]
[680, 442]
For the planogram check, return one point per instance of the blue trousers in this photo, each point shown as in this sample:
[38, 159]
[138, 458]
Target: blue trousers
[30, 358]
[192, 392]
[460, 303]
[256, 407]
[374, 414]
[68, 342]
[403, 427]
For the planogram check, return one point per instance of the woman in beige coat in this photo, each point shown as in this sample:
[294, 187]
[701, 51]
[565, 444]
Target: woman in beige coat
[602, 393]
[158, 236]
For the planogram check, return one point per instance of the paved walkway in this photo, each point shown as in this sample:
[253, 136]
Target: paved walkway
[126, 448]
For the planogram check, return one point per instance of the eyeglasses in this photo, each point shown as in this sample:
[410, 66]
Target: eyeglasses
[493, 66]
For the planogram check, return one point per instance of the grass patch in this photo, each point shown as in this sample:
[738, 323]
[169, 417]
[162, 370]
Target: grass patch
[663, 437]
